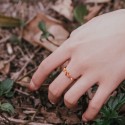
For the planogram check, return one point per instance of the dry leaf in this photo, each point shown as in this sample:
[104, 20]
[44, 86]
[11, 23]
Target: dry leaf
[51, 117]
[4, 67]
[24, 82]
[94, 12]
[65, 8]
[68, 117]
[31, 29]
[58, 32]
[49, 46]
[122, 108]
[32, 33]
[71, 119]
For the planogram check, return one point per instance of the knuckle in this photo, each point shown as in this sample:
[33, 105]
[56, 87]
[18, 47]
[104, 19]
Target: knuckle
[67, 45]
[69, 102]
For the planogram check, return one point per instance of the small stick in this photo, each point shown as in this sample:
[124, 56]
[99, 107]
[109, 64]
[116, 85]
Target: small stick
[24, 93]
[19, 121]
[27, 73]
[5, 39]
[5, 118]
[26, 64]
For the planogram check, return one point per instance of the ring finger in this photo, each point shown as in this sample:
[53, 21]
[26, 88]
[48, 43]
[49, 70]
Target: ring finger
[62, 82]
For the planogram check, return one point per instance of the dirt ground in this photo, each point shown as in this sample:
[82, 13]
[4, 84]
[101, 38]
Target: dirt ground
[19, 58]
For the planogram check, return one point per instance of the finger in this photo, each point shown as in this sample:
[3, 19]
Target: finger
[62, 82]
[102, 94]
[78, 89]
[48, 65]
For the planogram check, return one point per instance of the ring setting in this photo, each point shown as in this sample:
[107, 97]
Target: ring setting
[67, 74]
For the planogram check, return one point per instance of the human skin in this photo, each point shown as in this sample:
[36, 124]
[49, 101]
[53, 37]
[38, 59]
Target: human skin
[96, 51]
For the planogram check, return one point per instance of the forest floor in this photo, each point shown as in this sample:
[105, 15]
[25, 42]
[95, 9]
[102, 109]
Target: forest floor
[21, 52]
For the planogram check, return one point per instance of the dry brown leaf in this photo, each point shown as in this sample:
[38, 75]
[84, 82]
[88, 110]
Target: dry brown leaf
[4, 67]
[65, 8]
[68, 117]
[71, 119]
[23, 82]
[49, 46]
[32, 33]
[51, 117]
[97, 1]
[122, 108]
[94, 12]
[58, 32]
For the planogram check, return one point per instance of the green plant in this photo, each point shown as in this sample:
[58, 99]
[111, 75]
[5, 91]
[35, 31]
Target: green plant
[7, 107]
[110, 114]
[6, 87]
[43, 28]
[6, 91]
[79, 12]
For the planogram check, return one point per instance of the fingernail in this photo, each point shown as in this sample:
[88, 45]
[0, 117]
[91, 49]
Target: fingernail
[32, 86]
[52, 102]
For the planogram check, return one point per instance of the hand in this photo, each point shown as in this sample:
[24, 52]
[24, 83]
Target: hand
[96, 52]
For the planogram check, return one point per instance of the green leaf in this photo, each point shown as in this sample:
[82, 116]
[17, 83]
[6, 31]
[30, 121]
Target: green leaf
[9, 22]
[79, 12]
[101, 122]
[6, 86]
[9, 94]
[42, 27]
[115, 103]
[110, 114]
[7, 107]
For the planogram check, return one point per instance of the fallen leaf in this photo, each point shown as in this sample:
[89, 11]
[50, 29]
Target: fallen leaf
[9, 22]
[94, 12]
[23, 82]
[4, 67]
[122, 108]
[65, 8]
[32, 33]
[51, 117]
[68, 117]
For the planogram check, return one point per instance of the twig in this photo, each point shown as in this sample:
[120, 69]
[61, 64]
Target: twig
[34, 115]
[5, 118]
[36, 112]
[24, 93]
[19, 121]
[11, 59]
[25, 65]
[4, 39]
[27, 73]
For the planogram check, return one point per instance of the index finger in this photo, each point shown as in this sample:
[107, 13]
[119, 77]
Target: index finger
[54, 60]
